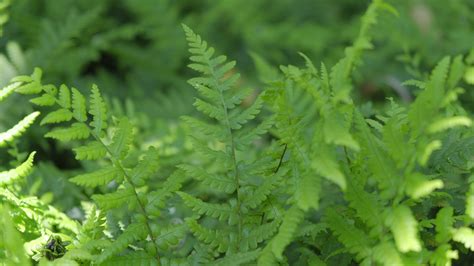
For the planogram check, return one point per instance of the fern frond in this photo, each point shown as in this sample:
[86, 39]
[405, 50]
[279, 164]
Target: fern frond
[238, 258]
[215, 181]
[170, 236]
[64, 98]
[237, 119]
[122, 139]
[443, 255]
[261, 193]
[11, 241]
[404, 229]
[76, 131]
[449, 122]
[352, 237]
[336, 129]
[79, 106]
[419, 186]
[386, 254]
[220, 211]
[8, 177]
[147, 166]
[18, 129]
[98, 110]
[132, 258]
[58, 116]
[444, 222]
[91, 151]
[464, 235]
[258, 234]
[326, 165]
[214, 238]
[97, 178]
[308, 188]
[116, 199]
[378, 161]
[44, 100]
[170, 186]
[368, 207]
[33, 82]
[267, 258]
[288, 227]
[470, 201]
[132, 233]
[429, 99]
[6, 91]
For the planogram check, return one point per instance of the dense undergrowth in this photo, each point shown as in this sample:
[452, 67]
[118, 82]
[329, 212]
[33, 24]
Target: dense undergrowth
[296, 165]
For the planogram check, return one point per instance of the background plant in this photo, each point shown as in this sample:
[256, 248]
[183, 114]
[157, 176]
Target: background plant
[334, 163]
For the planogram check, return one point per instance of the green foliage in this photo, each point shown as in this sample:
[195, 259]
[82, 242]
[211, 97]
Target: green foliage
[298, 171]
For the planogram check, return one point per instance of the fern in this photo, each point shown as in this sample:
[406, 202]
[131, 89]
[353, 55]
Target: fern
[227, 126]
[11, 176]
[296, 172]
[116, 148]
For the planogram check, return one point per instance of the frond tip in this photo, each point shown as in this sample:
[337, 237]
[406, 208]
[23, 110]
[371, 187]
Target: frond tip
[18, 129]
[8, 177]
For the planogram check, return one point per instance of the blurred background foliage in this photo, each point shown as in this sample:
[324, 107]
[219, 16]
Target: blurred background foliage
[135, 51]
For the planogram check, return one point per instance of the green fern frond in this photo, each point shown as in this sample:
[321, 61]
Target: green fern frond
[91, 151]
[258, 234]
[404, 229]
[79, 106]
[419, 185]
[33, 83]
[8, 177]
[11, 242]
[326, 165]
[288, 227]
[443, 255]
[352, 237]
[222, 212]
[464, 235]
[122, 139]
[213, 238]
[238, 258]
[131, 234]
[386, 254]
[64, 98]
[97, 178]
[8, 90]
[169, 236]
[308, 188]
[429, 99]
[132, 258]
[215, 181]
[58, 116]
[237, 119]
[449, 122]
[170, 186]
[470, 201]
[76, 131]
[98, 110]
[116, 199]
[378, 161]
[147, 166]
[44, 100]
[444, 222]
[368, 207]
[18, 129]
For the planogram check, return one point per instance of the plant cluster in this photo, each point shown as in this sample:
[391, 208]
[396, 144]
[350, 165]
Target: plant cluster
[295, 173]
